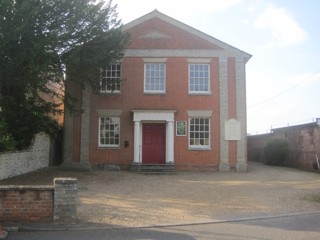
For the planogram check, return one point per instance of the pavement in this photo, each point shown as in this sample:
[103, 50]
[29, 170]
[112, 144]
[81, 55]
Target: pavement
[299, 227]
[43, 227]
[122, 200]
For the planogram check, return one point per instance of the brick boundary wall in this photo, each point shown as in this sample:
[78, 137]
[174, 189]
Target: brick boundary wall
[44, 203]
[20, 162]
[26, 203]
[303, 141]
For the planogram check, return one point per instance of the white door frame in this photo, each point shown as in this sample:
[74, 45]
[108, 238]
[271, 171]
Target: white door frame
[156, 116]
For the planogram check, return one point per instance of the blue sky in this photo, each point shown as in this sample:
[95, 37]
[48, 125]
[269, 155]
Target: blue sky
[283, 76]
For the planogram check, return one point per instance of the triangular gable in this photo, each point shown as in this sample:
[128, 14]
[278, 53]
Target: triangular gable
[198, 38]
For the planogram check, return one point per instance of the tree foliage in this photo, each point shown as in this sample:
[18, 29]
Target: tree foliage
[7, 143]
[276, 151]
[38, 39]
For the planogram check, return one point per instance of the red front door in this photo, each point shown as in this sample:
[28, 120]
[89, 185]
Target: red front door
[154, 144]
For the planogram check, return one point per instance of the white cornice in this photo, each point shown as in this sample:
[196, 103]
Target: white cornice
[194, 53]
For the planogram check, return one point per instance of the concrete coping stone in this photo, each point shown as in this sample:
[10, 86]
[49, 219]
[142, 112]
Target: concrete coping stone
[25, 187]
[65, 180]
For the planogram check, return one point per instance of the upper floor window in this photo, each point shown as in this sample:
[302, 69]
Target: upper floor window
[154, 77]
[110, 81]
[199, 80]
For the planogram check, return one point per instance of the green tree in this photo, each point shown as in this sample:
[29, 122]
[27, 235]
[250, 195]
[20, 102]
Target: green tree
[38, 39]
[7, 143]
[276, 151]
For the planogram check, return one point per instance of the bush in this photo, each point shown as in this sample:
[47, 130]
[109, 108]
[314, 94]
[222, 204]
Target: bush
[276, 152]
[7, 142]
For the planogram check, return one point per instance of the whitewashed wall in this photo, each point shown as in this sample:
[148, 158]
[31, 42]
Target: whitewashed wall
[36, 157]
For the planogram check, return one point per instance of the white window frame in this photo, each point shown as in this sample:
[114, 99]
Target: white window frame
[104, 131]
[199, 132]
[155, 91]
[117, 77]
[199, 78]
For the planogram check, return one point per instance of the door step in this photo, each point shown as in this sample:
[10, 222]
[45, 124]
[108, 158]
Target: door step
[153, 168]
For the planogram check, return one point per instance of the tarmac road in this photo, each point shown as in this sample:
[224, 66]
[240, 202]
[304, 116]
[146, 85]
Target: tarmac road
[294, 227]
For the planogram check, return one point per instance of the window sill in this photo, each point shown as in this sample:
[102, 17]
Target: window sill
[199, 94]
[109, 93]
[199, 148]
[108, 148]
[154, 93]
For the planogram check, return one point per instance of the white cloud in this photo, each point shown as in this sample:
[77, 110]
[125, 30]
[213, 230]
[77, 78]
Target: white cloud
[284, 29]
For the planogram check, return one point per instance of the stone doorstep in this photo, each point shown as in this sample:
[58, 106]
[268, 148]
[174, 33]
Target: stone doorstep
[153, 168]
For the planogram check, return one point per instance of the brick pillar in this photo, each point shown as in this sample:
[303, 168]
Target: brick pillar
[241, 165]
[65, 200]
[224, 109]
[85, 128]
[68, 130]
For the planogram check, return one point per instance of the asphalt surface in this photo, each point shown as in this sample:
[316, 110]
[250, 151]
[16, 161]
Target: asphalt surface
[294, 227]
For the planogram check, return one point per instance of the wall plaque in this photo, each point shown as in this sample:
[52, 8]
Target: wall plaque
[232, 130]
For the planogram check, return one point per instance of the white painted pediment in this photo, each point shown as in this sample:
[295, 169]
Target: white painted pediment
[155, 35]
[232, 51]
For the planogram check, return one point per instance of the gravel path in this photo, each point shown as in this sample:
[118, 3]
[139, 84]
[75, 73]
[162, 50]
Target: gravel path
[128, 199]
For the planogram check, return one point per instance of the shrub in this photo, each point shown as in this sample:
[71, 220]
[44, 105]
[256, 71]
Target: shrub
[7, 142]
[276, 151]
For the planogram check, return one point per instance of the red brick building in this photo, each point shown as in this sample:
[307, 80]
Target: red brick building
[183, 103]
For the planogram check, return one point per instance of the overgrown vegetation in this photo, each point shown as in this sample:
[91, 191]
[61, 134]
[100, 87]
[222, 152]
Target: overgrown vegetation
[7, 142]
[39, 40]
[316, 198]
[313, 197]
[276, 151]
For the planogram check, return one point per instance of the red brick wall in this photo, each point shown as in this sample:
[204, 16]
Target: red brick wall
[175, 98]
[26, 204]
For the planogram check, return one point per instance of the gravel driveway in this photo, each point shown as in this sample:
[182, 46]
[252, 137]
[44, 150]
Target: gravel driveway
[128, 199]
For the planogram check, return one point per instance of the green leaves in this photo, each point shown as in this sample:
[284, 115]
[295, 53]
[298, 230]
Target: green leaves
[276, 151]
[38, 39]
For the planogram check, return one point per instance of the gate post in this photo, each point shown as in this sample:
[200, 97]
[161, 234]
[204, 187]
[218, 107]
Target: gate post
[65, 200]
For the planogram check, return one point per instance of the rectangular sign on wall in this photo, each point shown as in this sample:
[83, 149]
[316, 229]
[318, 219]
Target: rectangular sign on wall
[232, 130]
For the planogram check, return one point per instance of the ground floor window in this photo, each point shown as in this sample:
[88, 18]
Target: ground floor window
[199, 133]
[109, 131]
